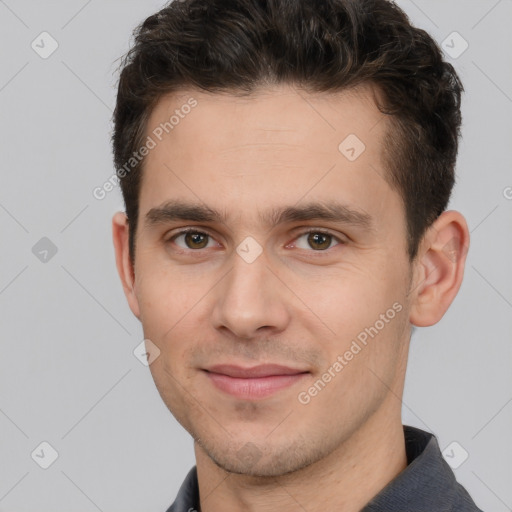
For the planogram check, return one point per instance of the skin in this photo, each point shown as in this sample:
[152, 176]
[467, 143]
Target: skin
[295, 304]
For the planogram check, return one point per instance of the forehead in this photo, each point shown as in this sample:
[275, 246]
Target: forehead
[273, 148]
[270, 115]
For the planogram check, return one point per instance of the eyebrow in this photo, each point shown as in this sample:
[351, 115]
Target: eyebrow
[176, 210]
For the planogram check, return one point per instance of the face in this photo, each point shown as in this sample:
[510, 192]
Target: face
[281, 315]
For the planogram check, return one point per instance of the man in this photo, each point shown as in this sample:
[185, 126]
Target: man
[286, 168]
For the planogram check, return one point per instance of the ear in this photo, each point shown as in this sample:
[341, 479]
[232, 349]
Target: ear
[124, 265]
[439, 268]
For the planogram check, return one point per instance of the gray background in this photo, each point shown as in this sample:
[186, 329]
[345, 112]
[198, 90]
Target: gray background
[68, 375]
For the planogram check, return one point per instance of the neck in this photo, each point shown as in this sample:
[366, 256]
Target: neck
[346, 480]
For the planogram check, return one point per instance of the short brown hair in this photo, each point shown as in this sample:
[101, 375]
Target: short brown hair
[319, 45]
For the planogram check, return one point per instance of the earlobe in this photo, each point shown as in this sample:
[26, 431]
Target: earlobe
[439, 268]
[120, 237]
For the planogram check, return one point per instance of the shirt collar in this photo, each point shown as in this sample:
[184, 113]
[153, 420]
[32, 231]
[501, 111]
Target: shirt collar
[426, 484]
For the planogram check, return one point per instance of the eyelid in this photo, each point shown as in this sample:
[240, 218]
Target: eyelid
[184, 231]
[194, 229]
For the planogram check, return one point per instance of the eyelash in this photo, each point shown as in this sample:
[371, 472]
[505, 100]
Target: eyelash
[301, 234]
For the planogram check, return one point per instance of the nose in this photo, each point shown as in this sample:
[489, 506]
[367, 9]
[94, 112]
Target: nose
[251, 300]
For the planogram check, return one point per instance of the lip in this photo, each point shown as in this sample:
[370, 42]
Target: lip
[253, 383]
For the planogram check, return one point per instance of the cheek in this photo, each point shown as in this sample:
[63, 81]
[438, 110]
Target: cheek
[165, 294]
[348, 300]
[364, 312]
[165, 310]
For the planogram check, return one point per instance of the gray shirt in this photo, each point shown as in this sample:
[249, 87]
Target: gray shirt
[427, 484]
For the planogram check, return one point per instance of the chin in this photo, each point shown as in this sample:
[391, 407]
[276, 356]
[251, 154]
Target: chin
[262, 461]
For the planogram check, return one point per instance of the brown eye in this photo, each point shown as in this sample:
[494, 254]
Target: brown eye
[319, 241]
[191, 239]
[196, 240]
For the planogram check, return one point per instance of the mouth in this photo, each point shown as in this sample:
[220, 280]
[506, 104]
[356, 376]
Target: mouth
[253, 383]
